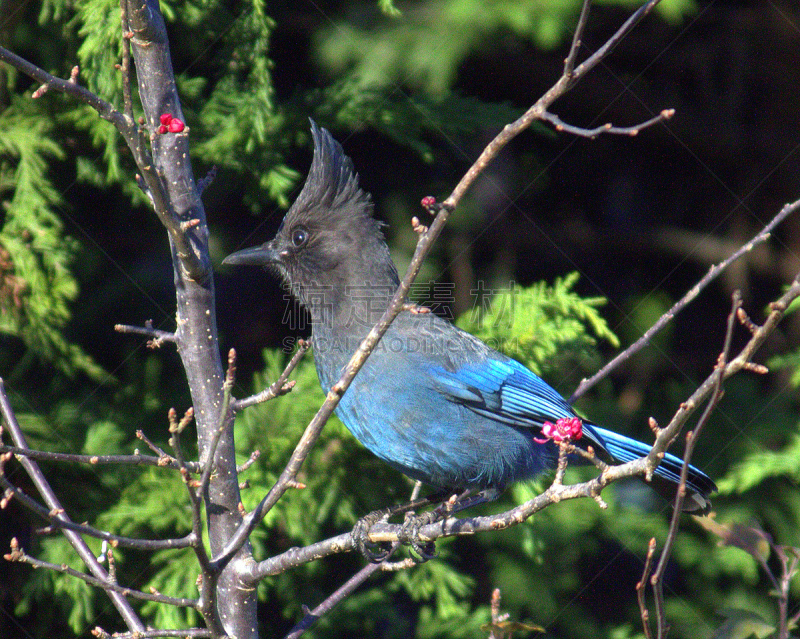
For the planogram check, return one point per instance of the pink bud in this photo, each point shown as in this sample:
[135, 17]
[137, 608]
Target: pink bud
[166, 118]
[176, 125]
[163, 129]
[428, 201]
[565, 429]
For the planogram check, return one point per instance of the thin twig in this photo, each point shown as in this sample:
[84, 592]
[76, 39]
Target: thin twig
[99, 460]
[46, 491]
[158, 336]
[641, 589]
[656, 581]
[577, 39]
[534, 113]
[345, 590]
[189, 633]
[156, 449]
[250, 461]
[280, 386]
[204, 182]
[667, 317]
[631, 131]
[224, 416]
[52, 516]
[106, 583]
[104, 109]
[125, 67]
[196, 489]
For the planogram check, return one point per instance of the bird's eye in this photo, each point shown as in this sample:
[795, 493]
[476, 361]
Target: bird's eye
[299, 237]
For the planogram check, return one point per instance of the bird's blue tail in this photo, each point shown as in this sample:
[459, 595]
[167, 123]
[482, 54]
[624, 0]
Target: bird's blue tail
[668, 474]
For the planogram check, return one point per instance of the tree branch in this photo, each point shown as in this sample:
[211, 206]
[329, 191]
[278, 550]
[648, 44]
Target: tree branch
[189, 633]
[667, 317]
[632, 131]
[280, 386]
[107, 584]
[46, 491]
[104, 109]
[51, 516]
[345, 590]
[158, 336]
[656, 581]
[100, 460]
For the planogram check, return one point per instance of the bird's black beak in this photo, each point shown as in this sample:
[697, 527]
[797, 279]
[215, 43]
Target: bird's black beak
[256, 256]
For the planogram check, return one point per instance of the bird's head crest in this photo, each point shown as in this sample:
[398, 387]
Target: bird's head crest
[331, 192]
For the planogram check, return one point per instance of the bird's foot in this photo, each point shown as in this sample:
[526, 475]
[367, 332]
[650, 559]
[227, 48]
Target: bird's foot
[410, 534]
[361, 536]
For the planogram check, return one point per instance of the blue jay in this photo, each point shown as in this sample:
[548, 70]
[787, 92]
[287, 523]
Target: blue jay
[432, 400]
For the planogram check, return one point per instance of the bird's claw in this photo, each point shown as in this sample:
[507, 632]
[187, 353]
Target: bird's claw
[362, 541]
[410, 534]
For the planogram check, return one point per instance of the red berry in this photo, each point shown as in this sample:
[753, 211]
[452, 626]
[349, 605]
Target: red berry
[166, 118]
[163, 129]
[176, 125]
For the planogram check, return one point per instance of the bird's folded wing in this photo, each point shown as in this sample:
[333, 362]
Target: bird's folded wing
[505, 391]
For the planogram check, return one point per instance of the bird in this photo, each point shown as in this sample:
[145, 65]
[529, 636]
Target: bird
[432, 400]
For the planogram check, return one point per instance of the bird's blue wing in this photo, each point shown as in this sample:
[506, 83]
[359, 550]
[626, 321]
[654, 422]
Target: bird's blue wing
[506, 391]
[503, 390]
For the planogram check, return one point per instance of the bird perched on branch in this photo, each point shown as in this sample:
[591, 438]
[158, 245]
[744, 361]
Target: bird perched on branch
[432, 401]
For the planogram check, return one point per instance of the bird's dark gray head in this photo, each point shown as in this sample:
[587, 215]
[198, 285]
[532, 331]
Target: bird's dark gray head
[328, 241]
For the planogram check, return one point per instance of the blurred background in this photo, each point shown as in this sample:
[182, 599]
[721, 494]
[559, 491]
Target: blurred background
[414, 91]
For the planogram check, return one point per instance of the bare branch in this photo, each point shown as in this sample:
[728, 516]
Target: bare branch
[641, 589]
[190, 633]
[345, 590]
[106, 583]
[125, 67]
[46, 491]
[158, 336]
[280, 386]
[53, 516]
[104, 109]
[577, 39]
[537, 111]
[156, 449]
[667, 317]
[631, 131]
[656, 580]
[204, 182]
[99, 460]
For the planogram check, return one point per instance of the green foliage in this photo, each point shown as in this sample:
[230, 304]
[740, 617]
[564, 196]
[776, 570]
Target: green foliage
[35, 256]
[743, 624]
[242, 129]
[425, 50]
[542, 324]
[761, 465]
[174, 573]
[408, 120]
